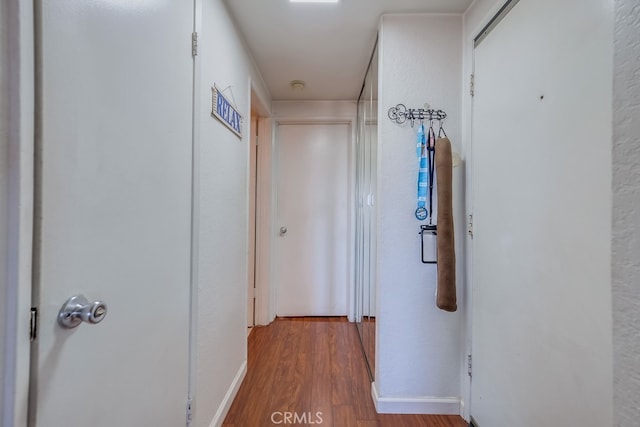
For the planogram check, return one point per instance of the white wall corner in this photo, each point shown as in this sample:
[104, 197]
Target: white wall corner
[223, 409]
[429, 405]
[626, 214]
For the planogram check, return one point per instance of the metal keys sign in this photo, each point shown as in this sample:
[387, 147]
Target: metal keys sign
[226, 112]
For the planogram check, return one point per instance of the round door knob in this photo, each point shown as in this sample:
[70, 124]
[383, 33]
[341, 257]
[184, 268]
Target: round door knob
[78, 309]
[283, 231]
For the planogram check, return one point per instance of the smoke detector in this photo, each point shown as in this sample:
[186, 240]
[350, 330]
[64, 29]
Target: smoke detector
[297, 85]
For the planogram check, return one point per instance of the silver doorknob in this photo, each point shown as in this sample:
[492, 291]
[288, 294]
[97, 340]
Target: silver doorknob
[78, 309]
[283, 231]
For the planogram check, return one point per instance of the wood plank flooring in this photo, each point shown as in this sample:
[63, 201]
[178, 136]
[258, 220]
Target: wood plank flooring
[310, 371]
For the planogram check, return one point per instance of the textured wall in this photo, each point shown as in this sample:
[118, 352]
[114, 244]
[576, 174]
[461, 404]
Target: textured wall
[419, 347]
[626, 213]
[223, 216]
[4, 185]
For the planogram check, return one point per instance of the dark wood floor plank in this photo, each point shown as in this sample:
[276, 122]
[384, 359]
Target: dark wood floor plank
[321, 389]
[346, 415]
[340, 380]
[361, 386]
[284, 379]
[260, 378]
[313, 369]
[300, 388]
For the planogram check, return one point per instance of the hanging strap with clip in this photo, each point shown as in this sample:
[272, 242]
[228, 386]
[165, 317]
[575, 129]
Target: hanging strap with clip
[423, 177]
[431, 150]
[425, 150]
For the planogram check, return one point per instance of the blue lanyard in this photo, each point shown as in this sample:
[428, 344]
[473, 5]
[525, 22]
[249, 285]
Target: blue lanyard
[423, 174]
[424, 151]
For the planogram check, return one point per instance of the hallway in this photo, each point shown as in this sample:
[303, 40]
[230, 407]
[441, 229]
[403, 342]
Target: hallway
[142, 164]
[312, 368]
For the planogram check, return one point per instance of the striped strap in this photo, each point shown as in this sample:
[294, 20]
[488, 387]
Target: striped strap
[423, 174]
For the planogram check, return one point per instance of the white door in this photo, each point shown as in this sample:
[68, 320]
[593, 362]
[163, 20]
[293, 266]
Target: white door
[312, 218]
[542, 218]
[115, 192]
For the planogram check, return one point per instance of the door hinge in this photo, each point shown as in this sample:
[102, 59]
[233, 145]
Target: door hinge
[469, 364]
[189, 412]
[470, 225]
[33, 324]
[472, 85]
[194, 44]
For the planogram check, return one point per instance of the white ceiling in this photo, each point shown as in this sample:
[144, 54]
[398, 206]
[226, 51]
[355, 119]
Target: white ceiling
[326, 45]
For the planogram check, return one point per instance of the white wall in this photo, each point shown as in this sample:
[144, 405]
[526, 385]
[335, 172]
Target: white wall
[223, 217]
[626, 213]
[419, 347]
[16, 205]
[314, 110]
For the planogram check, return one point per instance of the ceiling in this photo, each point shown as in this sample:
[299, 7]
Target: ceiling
[328, 46]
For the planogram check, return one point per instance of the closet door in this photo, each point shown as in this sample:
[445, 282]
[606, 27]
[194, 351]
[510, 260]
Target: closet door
[542, 215]
[114, 218]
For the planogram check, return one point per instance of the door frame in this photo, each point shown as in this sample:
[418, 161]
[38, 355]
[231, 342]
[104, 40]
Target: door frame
[264, 207]
[18, 179]
[467, 135]
[195, 212]
[252, 224]
[321, 120]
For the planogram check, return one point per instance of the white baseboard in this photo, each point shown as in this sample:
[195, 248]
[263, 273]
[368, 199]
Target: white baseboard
[415, 405]
[463, 410]
[223, 409]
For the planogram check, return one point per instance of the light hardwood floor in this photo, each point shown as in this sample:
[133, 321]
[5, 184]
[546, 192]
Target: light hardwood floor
[312, 371]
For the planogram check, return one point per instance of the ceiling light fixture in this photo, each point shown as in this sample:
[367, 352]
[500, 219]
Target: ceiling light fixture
[314, 1]
[297, 85]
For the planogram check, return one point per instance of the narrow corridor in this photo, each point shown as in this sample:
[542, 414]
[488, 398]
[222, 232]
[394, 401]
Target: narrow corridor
[310, 371]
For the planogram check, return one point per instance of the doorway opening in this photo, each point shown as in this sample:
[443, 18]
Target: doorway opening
[312, 249]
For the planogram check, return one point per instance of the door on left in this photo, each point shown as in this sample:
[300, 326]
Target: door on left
[113, 222]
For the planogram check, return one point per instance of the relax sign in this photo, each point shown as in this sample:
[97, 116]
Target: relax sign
[226, 112]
